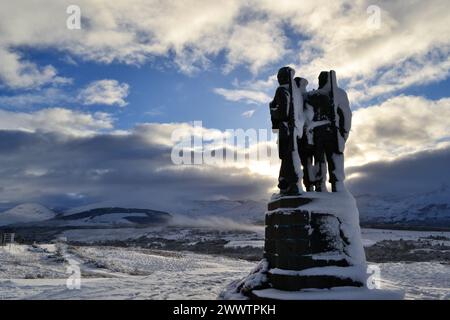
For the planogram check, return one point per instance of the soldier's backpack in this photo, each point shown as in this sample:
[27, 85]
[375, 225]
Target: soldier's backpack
[278, 111]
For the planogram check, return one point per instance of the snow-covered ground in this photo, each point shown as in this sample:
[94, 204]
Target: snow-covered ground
[254, 237]
[133, 273]
[420, 280]
[110, 272]
[119, 273]
[372, 236]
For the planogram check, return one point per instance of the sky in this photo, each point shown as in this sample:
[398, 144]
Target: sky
[87, 115]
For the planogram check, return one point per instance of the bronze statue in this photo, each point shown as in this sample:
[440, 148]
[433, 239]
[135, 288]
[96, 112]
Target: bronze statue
[312, 130]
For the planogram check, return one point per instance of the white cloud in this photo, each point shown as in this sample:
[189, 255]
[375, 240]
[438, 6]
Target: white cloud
[248, 96]
[57, 120]
[155, 112]
[411, 47]
[248, 113]
[256, 44]
[105, 92]
[18, 73]
[48, 96]
[413, 39]
[397, 127]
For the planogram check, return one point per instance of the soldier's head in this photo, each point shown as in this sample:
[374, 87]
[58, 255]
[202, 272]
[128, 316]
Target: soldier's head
[284, 75]
[301, 82]
[323, 79]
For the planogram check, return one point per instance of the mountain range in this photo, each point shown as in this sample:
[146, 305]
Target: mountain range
[430, 209]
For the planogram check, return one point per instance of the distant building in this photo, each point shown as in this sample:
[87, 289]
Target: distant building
[6, 238]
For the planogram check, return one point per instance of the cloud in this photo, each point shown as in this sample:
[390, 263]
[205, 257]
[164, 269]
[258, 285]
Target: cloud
[399, 126]
[105, 92]
[411, 47]
[155, 112]
[133, 169]
[248, 113]
[58, 153]
[248, 96]
[102, 92]
[410, 39]
[256, 44]
[421, 172]
[17, 73]
[47, 96]
[56, 120]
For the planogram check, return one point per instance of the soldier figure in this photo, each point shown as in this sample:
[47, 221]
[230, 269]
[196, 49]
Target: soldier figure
[329, 128]
[306, 147]
[286, 110]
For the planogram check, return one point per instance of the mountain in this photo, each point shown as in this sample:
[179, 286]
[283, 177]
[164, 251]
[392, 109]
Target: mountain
[430, 209]
[240, 210]
[114, 216]
[35, 215]
[26, 213]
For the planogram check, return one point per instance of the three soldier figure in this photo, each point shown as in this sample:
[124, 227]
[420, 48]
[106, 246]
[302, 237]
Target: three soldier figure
[312, 130]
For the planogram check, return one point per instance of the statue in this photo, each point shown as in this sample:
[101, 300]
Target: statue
[306, 151]
[312, 240]
[286, 110]
[312, 130]
[330, 128]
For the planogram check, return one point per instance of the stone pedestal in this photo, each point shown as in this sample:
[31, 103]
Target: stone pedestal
[313, 250]
[299, 240]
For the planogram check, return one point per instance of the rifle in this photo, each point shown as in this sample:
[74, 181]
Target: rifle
[341, 129]
[291, 117]
[333, 117]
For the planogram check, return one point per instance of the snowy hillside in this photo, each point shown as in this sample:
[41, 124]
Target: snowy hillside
[111, 217]
[241, 210]
[31, 215]
[430, 209]
[25, 213]
[427, 209]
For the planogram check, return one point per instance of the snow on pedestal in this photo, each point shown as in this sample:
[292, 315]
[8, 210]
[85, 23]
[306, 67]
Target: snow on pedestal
[313, 250]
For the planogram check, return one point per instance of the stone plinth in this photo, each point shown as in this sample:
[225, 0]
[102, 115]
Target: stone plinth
[313, 250]
[297, 240]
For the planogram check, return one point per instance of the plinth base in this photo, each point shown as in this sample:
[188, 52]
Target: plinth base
[313, 250]
[338, 293]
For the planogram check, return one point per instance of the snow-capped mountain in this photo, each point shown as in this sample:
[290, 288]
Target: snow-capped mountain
[31, 215]
[25, 213]
[425, 209]
[115, 216]
[430, 209]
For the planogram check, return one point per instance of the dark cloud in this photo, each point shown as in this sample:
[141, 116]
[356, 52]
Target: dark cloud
[136, 170]
[130, 169]
[420, 172]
